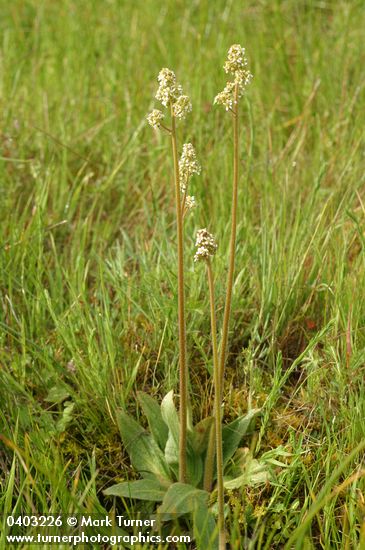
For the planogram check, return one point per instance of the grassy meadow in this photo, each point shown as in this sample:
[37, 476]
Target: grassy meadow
[88, 285]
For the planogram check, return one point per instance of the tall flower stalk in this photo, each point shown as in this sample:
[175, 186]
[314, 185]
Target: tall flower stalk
[217, 413]
[181, 310]
[236, 64]
[171, 96]
[206, 249]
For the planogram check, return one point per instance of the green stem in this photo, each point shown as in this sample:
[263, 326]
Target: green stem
[209, 460]
[217, 413]
[181, 310]
[232, 246]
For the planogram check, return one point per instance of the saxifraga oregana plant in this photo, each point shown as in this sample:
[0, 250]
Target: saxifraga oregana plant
[180, 462]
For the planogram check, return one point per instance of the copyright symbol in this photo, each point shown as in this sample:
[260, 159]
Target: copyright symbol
[72, 521]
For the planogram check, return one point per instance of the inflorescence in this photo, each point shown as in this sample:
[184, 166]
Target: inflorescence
[155, 118]
[168, 90]
[188, 165]
[170, 93]
[206, 246]
[182, 106]
[236, 64]
[190, 202]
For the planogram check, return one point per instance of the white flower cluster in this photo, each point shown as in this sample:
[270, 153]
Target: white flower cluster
[236, 59]
[235, 64]
[206, 245]
[168, 89]
[169, 93]
[155, 118]
[225, 97]
[188, 165]
[190, 202]
[243, 78]
[182, 106]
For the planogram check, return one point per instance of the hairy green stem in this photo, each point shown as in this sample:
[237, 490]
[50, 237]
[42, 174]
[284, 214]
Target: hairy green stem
[209, 461]
[181, 309]
[232, 245]
[217, 413]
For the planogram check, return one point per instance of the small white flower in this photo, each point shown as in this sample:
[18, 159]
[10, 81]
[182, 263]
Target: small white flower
[236, 59]
[182, 106]
[236, 64]
[168, 89]
[166, 77]
[206, 245]
[190, 202]
[243, 77]
[225, 97]
[155, 118]
[188, 165]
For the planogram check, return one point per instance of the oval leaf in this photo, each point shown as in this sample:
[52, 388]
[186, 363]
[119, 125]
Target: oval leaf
[154, 417]
[182, 498]
[200, 435]
[233, 433]
[144, 489]
[170, 416]
[255, 473]
[146, 456]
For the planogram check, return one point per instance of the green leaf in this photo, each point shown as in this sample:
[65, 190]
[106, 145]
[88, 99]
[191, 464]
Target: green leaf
[194, 462]
[172, 454]
[144, 489]
[233, 433]
[200, 435]
[146, 456]
[194, 468]
[170, 416]
[57, 394]
[271, 457]
[254, 473]
[182, 498]
[153, 414]
[205, 528]
[66, 417]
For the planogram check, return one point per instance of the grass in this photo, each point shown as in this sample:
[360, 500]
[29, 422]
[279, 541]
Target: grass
[88, 293]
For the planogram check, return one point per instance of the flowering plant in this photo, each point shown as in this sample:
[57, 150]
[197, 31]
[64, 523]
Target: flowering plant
[179, 462]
